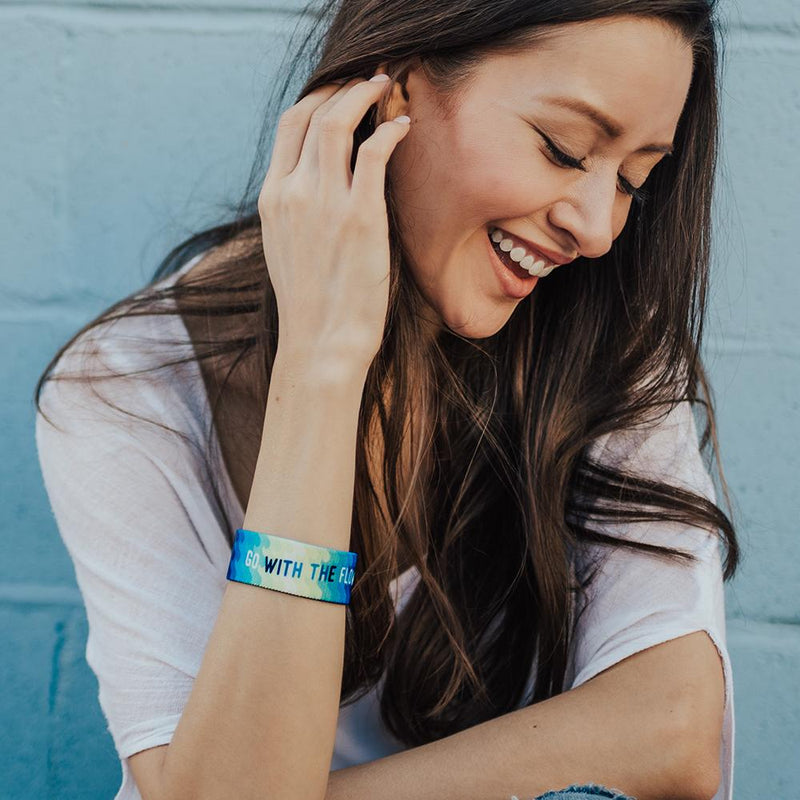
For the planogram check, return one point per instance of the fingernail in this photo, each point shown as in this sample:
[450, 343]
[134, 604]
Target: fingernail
[381, 76]
[403, 118]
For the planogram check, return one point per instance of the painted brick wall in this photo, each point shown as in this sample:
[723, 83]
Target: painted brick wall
[125, 124]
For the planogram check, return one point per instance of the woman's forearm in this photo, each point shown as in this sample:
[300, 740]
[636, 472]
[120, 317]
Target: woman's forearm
[641, 727]
[261, 718]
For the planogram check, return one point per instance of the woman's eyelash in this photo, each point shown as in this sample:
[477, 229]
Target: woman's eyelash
[563, 158]
[639, 195]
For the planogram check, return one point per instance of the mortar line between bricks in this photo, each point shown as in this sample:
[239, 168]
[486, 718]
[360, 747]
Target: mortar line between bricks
[727, 23]
[787, 30]
[761, 624]
[149, 9]
[52, 694]
[32, 594]
[55, 668]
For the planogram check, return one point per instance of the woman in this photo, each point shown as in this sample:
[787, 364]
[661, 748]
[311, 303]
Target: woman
[490, 301]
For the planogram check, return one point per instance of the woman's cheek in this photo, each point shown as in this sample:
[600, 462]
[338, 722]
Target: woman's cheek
[502, 173]
[504, 194]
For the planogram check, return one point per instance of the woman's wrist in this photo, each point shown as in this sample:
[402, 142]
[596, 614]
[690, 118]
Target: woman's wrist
[316, 372]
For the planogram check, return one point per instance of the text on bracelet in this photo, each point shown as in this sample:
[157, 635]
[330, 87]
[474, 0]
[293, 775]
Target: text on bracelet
[323, 573]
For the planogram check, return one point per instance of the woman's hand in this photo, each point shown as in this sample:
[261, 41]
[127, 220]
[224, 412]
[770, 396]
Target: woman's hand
[325, 230]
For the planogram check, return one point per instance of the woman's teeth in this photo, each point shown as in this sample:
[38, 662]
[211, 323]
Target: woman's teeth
[520, 255]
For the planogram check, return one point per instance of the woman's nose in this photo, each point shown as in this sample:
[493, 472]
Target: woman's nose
[592, 215]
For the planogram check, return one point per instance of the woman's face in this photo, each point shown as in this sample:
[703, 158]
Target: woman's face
[488, 165]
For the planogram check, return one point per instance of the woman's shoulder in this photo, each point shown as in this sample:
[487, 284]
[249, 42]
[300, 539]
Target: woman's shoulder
[140, 363]
[663, 444]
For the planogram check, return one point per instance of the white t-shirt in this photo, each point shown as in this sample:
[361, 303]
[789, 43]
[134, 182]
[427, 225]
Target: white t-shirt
[134, 507]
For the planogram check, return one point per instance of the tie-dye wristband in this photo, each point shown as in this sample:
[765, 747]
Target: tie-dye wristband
[299, 568]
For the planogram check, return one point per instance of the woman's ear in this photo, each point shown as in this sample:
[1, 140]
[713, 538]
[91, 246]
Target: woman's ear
[396, 99]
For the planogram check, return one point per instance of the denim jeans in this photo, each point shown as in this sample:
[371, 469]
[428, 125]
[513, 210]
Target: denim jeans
[585, 791]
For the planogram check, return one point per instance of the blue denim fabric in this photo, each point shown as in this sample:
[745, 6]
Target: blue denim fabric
[582, 792]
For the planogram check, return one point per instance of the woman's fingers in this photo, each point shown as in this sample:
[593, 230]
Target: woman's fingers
[330, 134]
[324, 231]
[292, 128]
[369, 176]
[319, 129]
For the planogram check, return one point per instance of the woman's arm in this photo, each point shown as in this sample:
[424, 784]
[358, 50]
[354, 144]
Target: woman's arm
[648, 726]
[261, 717]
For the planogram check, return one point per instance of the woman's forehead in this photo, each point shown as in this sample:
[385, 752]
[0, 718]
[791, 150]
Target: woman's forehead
[627, 71]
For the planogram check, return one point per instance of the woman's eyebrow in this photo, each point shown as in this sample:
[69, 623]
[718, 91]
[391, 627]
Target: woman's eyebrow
[610, 127]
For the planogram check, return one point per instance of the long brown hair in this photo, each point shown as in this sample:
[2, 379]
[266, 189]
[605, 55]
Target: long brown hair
[503, 494]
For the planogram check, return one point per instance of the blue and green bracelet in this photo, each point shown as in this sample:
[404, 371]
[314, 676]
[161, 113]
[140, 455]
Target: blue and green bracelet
[286, 565]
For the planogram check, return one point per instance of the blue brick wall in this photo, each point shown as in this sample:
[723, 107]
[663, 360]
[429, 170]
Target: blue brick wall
[124, 125]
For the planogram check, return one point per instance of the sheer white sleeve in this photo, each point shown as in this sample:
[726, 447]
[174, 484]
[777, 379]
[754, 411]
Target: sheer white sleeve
[134, 508]
[638, 600]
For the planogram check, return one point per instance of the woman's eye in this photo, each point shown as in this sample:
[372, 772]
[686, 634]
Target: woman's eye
[561, 157]
[639, 195]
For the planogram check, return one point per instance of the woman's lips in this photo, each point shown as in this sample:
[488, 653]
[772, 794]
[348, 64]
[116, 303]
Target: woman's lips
[550, 257]
[512, 284]
[519, 271]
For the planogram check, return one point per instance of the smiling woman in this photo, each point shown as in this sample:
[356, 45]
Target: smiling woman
[477, 164]
[485, 232]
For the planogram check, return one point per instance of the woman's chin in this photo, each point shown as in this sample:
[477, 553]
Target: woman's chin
[477, 317]
[481, 324]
